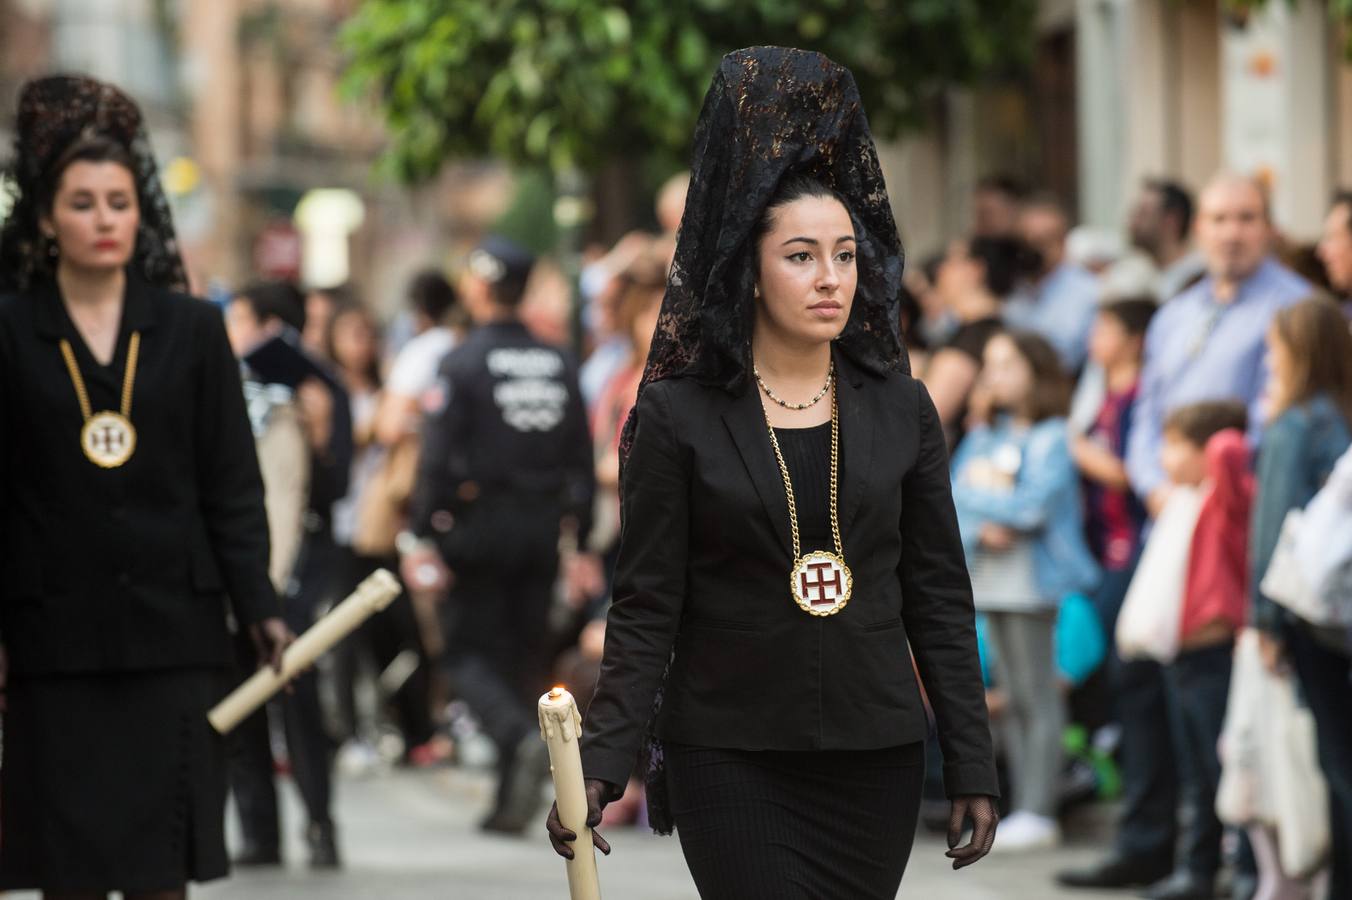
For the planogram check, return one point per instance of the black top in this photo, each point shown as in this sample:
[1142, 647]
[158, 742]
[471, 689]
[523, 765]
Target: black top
[971, 337]
[807, 453]
[126, 568]
[702, 583]
[508, 435]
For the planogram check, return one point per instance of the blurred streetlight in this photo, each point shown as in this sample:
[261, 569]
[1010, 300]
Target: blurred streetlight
[326, 218]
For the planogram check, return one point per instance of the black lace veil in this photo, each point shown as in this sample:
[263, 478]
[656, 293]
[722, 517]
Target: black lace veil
[54, 114]
[771, 112]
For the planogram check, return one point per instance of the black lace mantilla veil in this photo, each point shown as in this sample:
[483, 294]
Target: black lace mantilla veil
[770, 112]
[54, 114]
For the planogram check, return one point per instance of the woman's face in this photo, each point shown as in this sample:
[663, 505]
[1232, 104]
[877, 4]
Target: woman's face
[1006, 373]
[958, 275]
[243, 328]
[807, 270]
[318, 311]
[354, 341]
[1281, 368]
[1278, 360]
[94, 215]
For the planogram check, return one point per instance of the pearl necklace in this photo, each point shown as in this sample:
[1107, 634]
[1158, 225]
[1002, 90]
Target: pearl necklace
[830, 377]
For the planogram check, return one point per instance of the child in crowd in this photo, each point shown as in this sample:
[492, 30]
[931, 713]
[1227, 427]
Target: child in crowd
[1309, 410]
[1017, 495]
[1204, 447]
[1113, 514]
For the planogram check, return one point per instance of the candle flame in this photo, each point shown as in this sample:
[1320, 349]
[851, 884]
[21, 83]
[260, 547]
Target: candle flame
[557, 691]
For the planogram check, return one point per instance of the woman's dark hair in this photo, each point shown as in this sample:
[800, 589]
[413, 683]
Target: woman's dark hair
[1133, 312]
[275, 300]
[431, 294]
[351, 307]
[1007, 262]
[96, 148]
[1009, 186]
[1174, 200]
[1320, 346]
[791, 188]
[1050, 394]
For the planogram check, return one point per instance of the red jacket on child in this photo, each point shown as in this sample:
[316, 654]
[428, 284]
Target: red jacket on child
[1217, 584]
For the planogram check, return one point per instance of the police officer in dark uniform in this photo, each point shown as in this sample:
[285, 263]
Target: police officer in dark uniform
[505, 469]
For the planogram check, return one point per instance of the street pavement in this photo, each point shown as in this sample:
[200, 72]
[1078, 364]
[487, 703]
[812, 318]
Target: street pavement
[411, 835]
[407, 835]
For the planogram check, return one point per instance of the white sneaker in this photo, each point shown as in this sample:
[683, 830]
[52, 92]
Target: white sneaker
[358, 758]
[1027, 831]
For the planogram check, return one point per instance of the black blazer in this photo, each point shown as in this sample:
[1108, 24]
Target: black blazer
[704, 566]
[126, 568]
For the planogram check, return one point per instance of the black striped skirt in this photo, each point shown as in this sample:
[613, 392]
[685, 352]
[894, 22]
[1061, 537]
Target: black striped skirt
[796, 825]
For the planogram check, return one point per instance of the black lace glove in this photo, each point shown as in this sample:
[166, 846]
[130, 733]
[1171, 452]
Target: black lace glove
[985, 817]
[599, 793]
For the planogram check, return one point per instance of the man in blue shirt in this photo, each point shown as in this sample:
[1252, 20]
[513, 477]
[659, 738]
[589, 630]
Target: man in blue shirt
[1207, 343]
[1061, 304]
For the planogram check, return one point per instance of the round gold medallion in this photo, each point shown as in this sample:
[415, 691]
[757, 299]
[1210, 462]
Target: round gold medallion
[821, 583]
[108, 439]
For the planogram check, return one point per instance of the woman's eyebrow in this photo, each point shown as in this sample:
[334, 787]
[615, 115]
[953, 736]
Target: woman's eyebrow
[814, 242]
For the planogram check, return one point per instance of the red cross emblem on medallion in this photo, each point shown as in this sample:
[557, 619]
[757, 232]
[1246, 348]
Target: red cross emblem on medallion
[821, 583]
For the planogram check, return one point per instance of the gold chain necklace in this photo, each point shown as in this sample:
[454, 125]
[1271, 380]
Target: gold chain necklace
[108, 438]
[830, 377]
[820, 582]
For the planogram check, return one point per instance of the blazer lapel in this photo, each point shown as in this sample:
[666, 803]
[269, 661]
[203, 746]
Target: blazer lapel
[745, 420]
[856, 438]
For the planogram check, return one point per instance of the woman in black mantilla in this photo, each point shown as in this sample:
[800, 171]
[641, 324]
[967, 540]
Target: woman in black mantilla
[788, 525]
[130, 506]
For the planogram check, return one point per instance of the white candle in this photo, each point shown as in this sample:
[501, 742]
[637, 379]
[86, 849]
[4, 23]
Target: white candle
[371, 596]
[561, 728]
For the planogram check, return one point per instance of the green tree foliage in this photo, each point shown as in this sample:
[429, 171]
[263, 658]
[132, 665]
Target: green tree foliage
[563, 83]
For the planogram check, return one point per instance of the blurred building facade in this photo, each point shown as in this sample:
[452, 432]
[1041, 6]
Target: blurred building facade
[1121, 90]
[269, 169]
[243, 102]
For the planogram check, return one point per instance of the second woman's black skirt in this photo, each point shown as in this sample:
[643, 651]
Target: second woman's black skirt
[796, 825]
